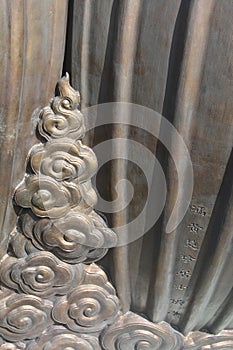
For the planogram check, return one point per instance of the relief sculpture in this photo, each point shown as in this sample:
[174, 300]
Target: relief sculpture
[53, 294]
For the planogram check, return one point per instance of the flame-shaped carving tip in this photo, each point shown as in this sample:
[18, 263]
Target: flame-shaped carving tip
[67, 91]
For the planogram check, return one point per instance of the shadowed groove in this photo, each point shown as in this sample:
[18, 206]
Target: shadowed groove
[177, 78]
[123, 25]
[67, 62]
[211, 267]
[160, 285]
[223, 317]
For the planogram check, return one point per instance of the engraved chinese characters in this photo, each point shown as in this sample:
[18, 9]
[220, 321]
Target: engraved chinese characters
[49, 297]
[188, 250]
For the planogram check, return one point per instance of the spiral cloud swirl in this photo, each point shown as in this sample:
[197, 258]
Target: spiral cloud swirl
[60, 338]
[24, 317]
[132, 332]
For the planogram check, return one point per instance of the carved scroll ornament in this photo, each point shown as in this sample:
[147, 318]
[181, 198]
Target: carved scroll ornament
[50, 297]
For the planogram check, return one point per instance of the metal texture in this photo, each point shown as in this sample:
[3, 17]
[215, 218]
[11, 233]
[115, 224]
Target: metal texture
[174, 57]
[31, 55]
[49, 298]
[178, 63]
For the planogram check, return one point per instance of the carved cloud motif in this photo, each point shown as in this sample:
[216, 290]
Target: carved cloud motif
[11, 346]
[48, 299]
[60, 338]
[62, 118]
[75, 238]
[46, 197]
[20, 246]
[24, 317]
[132, 332]
[205, 341]
[89, 307]
[64, 160]
[40, 274]
[53, 125]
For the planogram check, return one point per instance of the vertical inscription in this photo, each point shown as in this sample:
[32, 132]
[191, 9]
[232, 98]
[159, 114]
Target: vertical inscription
[187, 259]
